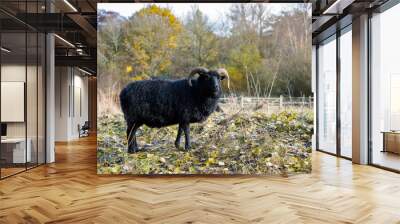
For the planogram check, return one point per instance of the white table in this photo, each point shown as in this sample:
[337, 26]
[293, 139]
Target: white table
[19, 155]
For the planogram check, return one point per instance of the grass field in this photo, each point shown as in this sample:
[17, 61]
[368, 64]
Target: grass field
[230, 142]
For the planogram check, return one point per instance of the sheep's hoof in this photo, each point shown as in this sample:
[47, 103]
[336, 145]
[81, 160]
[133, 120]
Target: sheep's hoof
[133, 150]
[187, 147]
[177, 145]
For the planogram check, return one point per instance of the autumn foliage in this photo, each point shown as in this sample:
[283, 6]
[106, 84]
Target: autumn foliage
[266, 53]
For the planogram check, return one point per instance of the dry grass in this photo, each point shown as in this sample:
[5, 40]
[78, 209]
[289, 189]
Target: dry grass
[108, 101]
[235, 141]
[251, 139]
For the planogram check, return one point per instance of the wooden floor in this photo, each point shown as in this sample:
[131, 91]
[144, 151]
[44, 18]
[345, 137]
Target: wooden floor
[10, 171]
[386, 159]
[69, 191]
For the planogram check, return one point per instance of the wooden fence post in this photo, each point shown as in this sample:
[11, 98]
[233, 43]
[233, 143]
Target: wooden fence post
[280, 102]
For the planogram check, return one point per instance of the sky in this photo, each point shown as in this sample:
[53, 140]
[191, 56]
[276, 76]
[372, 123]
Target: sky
[214, 11]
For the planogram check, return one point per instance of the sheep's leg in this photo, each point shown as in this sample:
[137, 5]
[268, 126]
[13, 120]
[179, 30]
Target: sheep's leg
[186, 129]
[131, 133]
[219, 109]
[178, 137]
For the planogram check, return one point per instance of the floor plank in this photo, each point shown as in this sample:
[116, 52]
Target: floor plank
[69, 191]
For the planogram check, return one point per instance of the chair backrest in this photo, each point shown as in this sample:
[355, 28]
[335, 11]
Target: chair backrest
[86, 125]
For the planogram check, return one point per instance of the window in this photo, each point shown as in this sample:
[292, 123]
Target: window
[327, 95]
[346, 93]
[385, 89]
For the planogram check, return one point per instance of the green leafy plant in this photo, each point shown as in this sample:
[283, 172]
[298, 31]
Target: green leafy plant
[227, 143]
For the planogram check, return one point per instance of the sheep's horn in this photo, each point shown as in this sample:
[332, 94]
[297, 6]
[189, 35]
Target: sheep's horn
[222, 72]
[199, 70]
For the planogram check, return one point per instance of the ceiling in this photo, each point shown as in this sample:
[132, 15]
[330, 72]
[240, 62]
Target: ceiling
[331, 15]
[74, 22]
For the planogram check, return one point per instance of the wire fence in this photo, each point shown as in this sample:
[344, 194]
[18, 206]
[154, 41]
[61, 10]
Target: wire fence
[271, 104]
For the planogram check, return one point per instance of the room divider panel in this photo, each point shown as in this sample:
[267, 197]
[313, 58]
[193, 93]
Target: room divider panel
[22, 77]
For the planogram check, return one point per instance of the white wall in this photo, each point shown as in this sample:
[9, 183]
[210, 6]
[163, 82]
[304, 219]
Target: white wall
[12, 73]
[70, 84]
[33, 125]
[62, 81]
[80, 115]
[13, 101]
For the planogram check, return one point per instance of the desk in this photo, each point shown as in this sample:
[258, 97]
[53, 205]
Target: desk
[391, 141]
[13, 150]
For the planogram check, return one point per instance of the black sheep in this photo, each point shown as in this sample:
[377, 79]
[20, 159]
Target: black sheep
[160, 103]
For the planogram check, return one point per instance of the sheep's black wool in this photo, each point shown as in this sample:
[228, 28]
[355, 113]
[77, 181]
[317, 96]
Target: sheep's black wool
[160, 103]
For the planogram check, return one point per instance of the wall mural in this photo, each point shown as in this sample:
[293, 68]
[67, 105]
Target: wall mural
[208, 88]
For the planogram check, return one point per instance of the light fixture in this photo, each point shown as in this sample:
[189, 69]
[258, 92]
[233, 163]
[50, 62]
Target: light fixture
[84, 71]
[70, 5]
[64, 40]
[5, 50]
[80, 51]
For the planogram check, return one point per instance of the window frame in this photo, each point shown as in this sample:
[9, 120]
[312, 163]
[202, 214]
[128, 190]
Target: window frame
[333, 37]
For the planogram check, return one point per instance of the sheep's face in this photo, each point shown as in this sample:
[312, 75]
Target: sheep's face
[210, 84]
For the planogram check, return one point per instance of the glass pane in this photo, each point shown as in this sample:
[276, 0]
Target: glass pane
[41, 99]
[31, 98]
[327, 96]
[346, 94]
[23, 89]
[386, 89]
[13, 87]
